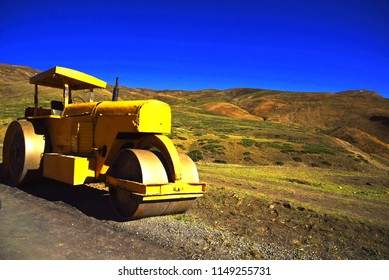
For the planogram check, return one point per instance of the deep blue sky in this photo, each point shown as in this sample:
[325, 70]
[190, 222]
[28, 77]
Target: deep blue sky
[300, 45]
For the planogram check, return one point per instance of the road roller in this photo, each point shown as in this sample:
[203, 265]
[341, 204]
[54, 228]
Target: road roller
[123, 144]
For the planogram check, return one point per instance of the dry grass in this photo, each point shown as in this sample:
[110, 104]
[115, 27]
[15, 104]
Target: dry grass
[312, 213]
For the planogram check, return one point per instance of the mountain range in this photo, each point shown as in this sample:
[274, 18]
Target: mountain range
[355, 120]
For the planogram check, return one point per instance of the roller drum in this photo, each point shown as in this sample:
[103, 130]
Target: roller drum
[22, 152]
[144, 166]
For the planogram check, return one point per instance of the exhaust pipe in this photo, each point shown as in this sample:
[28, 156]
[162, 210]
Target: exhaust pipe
[115, 93]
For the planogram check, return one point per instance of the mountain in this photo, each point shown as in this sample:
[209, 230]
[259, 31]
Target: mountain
[250, 126]
[360, 117]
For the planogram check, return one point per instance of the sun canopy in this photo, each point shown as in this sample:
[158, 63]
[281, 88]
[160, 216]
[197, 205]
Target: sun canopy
[57, 77]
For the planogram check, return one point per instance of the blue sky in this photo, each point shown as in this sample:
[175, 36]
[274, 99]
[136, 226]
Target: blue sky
[295, 45]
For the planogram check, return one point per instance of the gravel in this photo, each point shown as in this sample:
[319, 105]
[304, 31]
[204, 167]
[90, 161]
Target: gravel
[197, 241]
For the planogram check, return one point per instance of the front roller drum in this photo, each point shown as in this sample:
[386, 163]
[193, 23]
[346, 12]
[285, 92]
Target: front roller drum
[131, 207]
[22, 153]
[142, 166]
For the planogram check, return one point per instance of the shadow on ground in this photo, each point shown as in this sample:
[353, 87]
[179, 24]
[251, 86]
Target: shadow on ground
[90, 201]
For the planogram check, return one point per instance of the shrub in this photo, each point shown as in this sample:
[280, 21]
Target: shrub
[287, 148]
[258, 144]
[247, 142]
[195, 155]
[361, 159]
[247, 158]
[214, 148]
[219, 161]
[297, 159]
[180, 146]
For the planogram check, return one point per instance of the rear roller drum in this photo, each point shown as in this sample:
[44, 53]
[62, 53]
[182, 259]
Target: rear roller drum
[22, 152]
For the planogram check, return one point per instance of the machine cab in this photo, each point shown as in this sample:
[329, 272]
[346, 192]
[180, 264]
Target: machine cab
[62, 78]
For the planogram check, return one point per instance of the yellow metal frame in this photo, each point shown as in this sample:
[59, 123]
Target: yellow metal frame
[66, 79]
[58, 76]
[176, 190]
[68, 169]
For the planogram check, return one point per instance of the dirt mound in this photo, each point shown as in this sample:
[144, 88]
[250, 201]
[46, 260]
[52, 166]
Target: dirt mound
[230, 110]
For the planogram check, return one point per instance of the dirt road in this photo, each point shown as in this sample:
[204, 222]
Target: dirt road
[55, 221]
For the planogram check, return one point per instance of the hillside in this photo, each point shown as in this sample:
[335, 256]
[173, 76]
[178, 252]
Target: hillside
[250, 126]
[15, 74]
[359, 117]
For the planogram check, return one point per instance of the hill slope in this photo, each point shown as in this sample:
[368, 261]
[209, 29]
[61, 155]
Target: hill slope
[249, 126]
[360, 117]
[13, 73]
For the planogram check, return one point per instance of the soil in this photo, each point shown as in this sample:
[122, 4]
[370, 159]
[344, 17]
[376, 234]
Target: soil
[280, 225]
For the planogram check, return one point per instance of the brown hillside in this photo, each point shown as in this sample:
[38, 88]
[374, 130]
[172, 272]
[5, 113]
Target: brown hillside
[363, 111]
[363, 140]
[231, 110]
[360, 93]
[13, 73]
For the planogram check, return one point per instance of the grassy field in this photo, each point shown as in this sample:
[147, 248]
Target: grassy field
[310, 213]
[277, 182]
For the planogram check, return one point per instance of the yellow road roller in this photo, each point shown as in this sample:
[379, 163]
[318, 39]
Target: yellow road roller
[120, 143]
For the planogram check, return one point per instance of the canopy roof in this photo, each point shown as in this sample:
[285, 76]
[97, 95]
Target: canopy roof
[57, 77]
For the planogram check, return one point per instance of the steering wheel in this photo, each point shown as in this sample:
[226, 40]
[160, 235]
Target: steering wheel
[78, 97]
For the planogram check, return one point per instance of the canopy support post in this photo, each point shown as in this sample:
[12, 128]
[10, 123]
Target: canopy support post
[36, 100]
